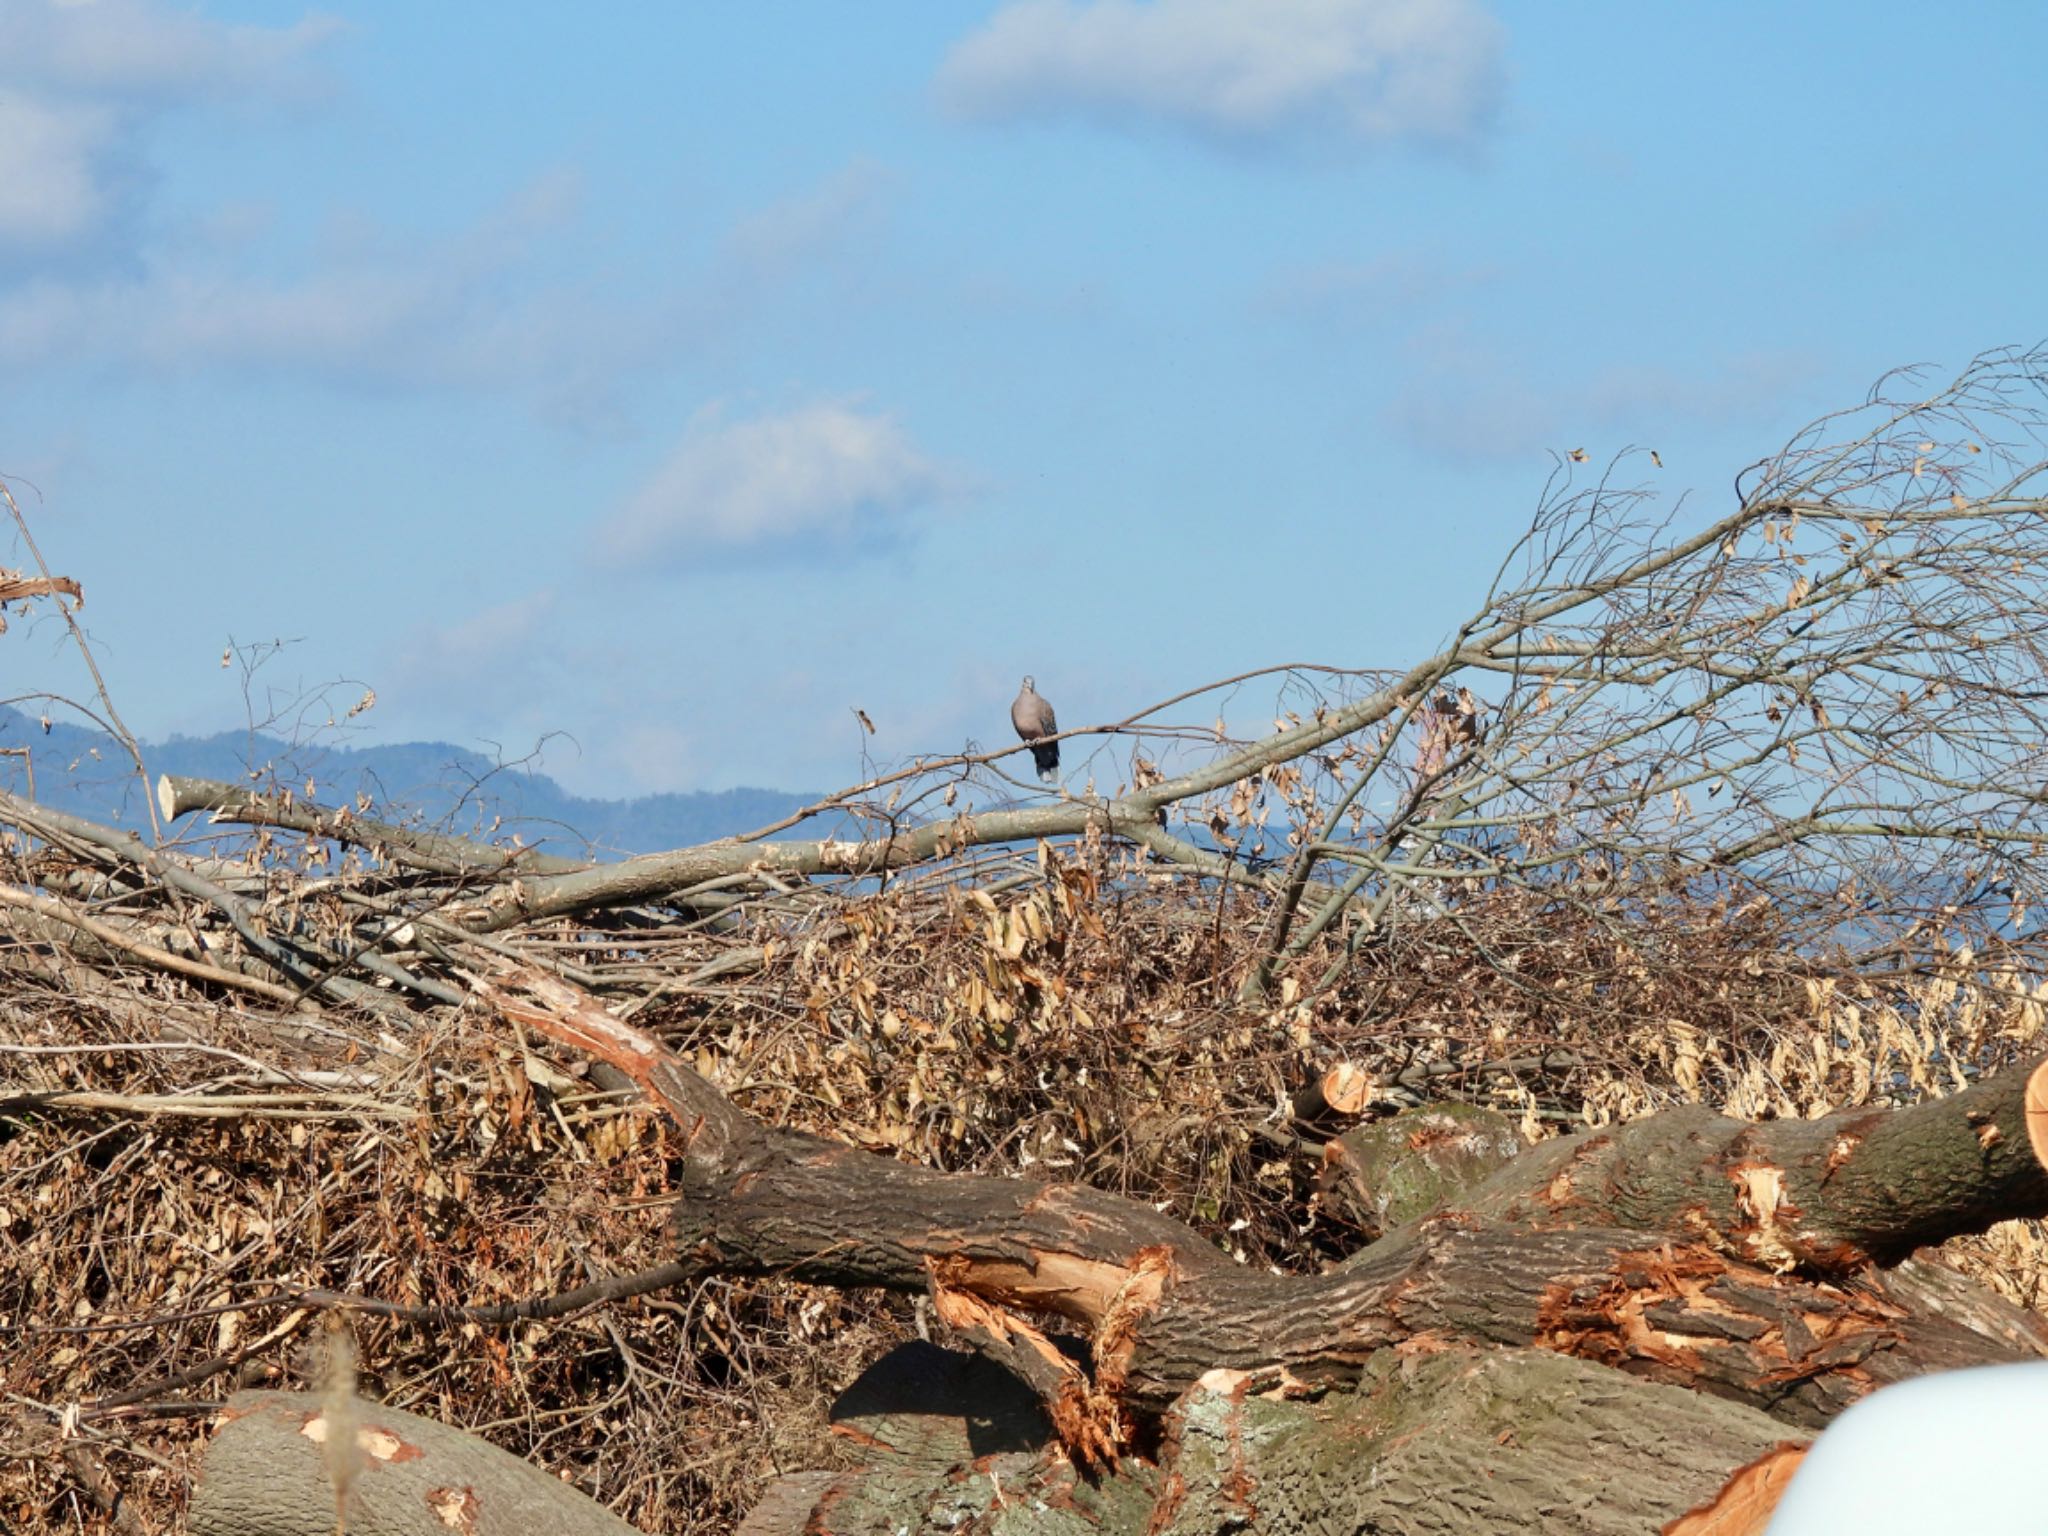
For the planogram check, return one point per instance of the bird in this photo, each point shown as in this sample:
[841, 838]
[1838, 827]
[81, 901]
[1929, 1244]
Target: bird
[1035, 722]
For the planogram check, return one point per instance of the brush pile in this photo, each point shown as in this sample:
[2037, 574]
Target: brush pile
[219, 1120]
[633, 1168]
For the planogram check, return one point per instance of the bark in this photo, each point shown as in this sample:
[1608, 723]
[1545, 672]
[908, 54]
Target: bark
[1654, 1248]
[266, 1473]
[1678, 1303]
[1832, 1196]
[1446, 1440]
[1385, 1175]
[430, 852]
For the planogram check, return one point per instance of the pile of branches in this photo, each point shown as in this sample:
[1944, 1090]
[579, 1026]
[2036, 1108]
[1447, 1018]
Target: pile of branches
[202, 1152]
[1743, 817]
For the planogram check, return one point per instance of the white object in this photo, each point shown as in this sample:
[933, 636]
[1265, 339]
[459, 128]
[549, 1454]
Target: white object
[1955, 1451]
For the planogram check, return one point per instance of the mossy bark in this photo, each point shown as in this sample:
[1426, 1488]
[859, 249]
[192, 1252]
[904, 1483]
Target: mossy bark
[271, 1469]
[1454, 1442]
[1621, 1330]
[1402, 1168]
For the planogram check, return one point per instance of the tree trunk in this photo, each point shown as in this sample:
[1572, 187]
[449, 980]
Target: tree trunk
[268, 1472]
[1455, 1440]
[1701, 1291]
[1631, 1329]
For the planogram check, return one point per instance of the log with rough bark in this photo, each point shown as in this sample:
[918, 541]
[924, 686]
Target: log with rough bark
[414, 847]
[270, 1470]
[1680, 1302]
[1427, 1441]
[1385, 1175]
[1701, 1290]
[1437, 1441]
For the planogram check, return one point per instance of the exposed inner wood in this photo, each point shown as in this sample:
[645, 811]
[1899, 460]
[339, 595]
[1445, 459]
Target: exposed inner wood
[1748, 1261]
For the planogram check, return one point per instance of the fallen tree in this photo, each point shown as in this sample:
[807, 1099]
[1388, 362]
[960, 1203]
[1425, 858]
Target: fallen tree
[1765, 1268]
[1679, 844]
[1826, 699]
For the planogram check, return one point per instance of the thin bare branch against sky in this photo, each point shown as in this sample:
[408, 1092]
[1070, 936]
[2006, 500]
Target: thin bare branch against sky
[688, 379]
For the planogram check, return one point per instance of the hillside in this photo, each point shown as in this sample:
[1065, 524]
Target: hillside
[441, 784]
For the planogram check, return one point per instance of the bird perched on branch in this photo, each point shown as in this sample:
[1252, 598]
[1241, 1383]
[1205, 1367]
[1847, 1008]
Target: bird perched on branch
[1034, 720]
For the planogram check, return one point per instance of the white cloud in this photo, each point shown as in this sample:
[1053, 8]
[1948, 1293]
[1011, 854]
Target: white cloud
[798, 226]
[1384, 289]
[367, 307]
[824, 476]
[363, 321]
[142, 49]
[54, 184]
[82, 79]
[1365, 70]
[521, 301]
[1465, 400]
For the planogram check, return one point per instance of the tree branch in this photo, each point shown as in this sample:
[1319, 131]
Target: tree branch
[1162, 1306]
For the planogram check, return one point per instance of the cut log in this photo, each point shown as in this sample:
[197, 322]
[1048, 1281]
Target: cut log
[431, 852]
[2037, 1113]
[1448, 1441]
[265, 1475]
[1637, 1247]
[1829, 1196]
[1605, 1301]
[1383, 1176]
[1344, 1091]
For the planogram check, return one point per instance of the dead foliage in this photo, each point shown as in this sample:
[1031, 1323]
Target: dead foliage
[1744, 815]
[181, 1159]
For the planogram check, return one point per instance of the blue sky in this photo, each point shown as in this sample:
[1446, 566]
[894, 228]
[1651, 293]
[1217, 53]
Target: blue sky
[683, 380]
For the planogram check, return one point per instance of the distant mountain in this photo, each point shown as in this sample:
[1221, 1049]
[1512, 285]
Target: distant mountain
[435, 783]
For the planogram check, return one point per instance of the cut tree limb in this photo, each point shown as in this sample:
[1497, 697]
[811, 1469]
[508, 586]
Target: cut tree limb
[114, 939]
[264, 1475]
[13, 586]
[1647, 1269]
[1135, 816]
[175, 875]
[1830, 1196]
[1344, 1090]
[652, 876]
[1433, 1442]
[2037, 1114]
[430, 852]
[218, 1106]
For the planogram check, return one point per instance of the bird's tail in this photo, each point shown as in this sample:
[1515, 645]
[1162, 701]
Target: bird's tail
[1046, 757]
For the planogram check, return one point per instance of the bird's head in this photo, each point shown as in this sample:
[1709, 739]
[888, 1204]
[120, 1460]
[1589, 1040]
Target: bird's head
[1029, 685]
